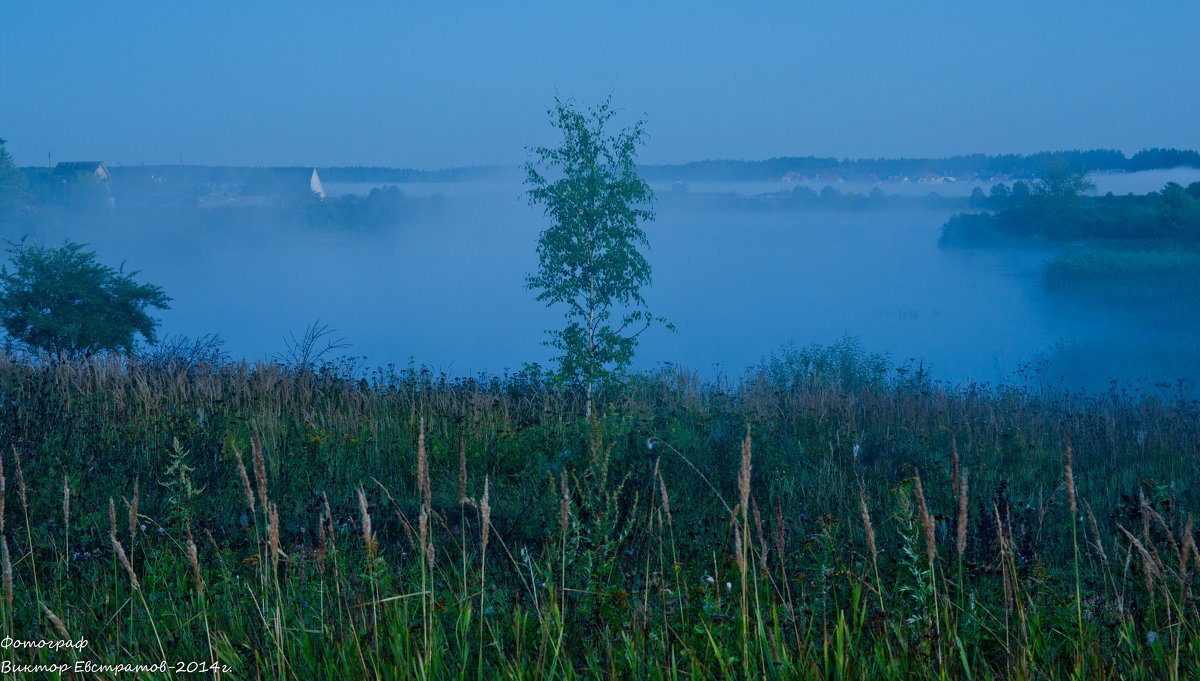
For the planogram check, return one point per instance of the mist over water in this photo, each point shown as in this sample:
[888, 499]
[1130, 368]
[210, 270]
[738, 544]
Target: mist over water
[445, 286]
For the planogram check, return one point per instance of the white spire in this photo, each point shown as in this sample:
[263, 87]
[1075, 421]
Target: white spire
[315, 185]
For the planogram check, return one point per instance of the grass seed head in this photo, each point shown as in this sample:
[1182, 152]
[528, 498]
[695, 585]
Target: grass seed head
[485, 512]
[58, 623]
[194, 560]
[368, 533]
[20, 481]
[1096, 533]
[1185, 549]
[246, 489]
[260, 467]
[867, 527]
[423, 469]
[133, 513]
[120, 551]
[926, 522]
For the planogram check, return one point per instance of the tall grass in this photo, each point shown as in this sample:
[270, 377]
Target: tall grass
[408, 525]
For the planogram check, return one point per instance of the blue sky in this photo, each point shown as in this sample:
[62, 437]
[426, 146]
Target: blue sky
[430, 85]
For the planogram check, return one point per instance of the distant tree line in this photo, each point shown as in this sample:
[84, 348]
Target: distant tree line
[199, 179]
[1054, 207]
[955, 166]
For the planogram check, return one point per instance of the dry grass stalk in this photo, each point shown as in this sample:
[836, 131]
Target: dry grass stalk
[329, 523]
[954, 475]
[423, 519]
[120, 551]
[260, 467]
[1071, 481]
[321, 547]
[462, 472]
[273, 537]
[960, 539]
[1158, 519]
[739, 550]
[423, 469]
[66, 501]
[1149, 568]
[758, 531]
[744, 477]
[867, 527]
[194, 560]
[368, 533]
[3, 493]
[133, 514]
[426, 537]
[1187, 546]
[58, 623]
[666, 499]
[565, 507]
[1096, 533]
[8, 577]
[485, 512]
[1143, 507]
[237, 456]
[779, 528]
[1005, 558]
[926, 522]
[20, 481]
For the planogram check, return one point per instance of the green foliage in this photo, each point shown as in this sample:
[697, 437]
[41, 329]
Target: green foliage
[628, 586]
[589, 258]
[959, 166]
[177, 479]
[1055, 209]
[843, 364]
[1128, 277]
[62, 301]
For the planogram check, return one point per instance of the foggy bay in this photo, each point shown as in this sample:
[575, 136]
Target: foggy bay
[444, 286]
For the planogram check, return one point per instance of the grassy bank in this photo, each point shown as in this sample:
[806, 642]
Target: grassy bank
[827, 516]
[1129, 276]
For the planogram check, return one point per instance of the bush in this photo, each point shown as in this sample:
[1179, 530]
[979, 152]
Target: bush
[62, 301]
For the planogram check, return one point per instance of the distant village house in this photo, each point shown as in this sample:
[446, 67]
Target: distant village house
[83, 181]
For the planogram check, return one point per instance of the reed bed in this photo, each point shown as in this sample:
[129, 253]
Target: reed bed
[810, 520]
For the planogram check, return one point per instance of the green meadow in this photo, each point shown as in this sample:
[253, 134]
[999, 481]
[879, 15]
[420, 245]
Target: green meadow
[826, 515]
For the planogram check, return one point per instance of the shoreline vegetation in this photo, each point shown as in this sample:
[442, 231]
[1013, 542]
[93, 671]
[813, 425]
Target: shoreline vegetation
[962, 166]
[830, 515]
[1129, 254]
